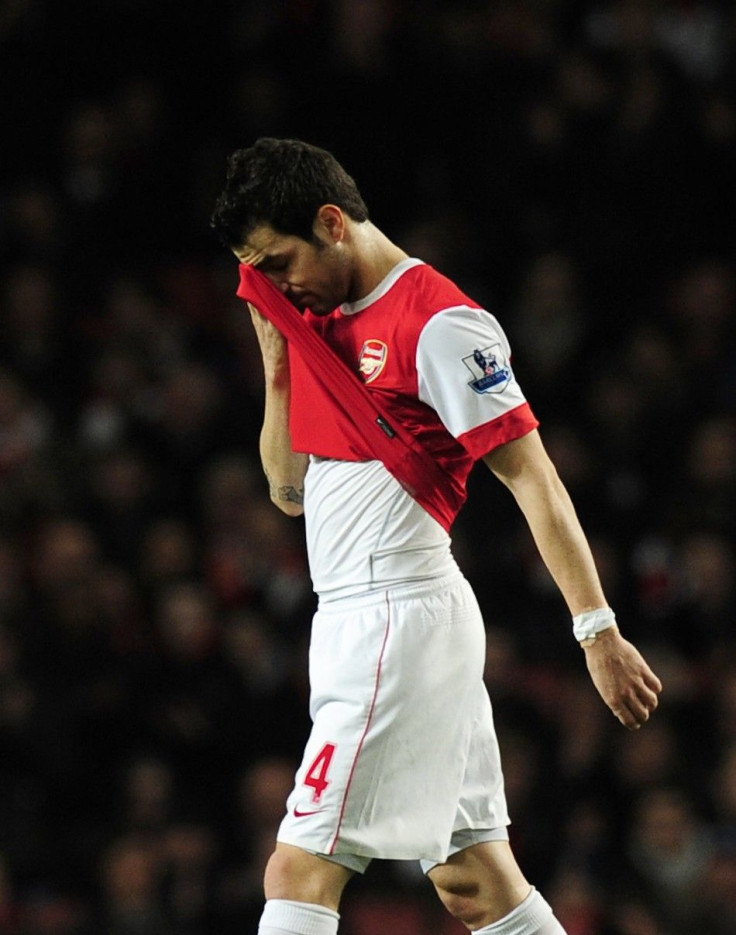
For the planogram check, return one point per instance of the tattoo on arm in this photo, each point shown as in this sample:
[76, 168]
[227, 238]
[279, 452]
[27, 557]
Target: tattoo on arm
[285, 492]
[288, 493]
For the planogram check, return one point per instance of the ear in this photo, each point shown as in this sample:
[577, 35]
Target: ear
[331, 221]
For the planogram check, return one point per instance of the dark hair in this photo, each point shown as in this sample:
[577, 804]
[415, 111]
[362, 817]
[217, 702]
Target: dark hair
[282, 183]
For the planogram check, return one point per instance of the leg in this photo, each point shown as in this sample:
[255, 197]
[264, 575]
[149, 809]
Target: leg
[481, 884]
[295, 874]
[484, 888]
[302, 893]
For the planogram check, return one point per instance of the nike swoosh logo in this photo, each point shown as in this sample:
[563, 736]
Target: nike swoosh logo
[298, 813]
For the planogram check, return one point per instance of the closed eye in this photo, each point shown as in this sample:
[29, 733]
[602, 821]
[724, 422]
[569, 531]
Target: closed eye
[274, 264]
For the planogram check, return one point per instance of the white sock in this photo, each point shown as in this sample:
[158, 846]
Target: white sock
[532, 917]
[286, 917]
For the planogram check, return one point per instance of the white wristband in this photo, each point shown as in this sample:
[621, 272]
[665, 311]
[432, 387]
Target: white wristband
[588, 624]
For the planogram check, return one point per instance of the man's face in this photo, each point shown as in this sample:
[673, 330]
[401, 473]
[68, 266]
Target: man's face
[311, 275]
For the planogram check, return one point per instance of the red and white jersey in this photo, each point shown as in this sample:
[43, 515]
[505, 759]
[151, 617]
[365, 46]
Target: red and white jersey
[441, 366]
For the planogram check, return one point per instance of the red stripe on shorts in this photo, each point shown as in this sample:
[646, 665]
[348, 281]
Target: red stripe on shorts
[365, 730]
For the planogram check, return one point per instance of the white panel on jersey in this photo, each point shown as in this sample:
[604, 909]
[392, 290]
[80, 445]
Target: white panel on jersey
[464, 369]
[364, 531]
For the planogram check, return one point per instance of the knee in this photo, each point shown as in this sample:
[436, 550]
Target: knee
[480, 884]
[292, 873]
[462, 899]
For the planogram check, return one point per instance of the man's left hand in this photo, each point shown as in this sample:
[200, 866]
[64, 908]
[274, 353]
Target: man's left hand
[623, 679]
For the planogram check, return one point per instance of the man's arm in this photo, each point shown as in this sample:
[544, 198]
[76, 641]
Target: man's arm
[284, 468]
[622, 677]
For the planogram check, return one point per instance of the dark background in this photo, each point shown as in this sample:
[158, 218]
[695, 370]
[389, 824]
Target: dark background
[570, 164]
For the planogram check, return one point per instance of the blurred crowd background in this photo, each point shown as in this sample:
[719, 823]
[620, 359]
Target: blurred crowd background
[571, 165]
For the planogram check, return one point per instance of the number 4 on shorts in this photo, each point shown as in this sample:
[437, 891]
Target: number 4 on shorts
[317, 773]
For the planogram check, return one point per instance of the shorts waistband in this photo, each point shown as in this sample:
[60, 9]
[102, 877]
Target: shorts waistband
[401, 591]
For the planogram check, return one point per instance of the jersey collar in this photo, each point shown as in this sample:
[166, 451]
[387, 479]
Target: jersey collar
[350, 308]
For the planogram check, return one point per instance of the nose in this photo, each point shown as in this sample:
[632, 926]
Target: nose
[280, 283]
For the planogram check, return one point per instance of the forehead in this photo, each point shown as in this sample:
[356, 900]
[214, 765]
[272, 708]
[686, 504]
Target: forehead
[264, 242]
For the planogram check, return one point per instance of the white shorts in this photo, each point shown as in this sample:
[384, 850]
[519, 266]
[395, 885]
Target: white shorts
[402, 762]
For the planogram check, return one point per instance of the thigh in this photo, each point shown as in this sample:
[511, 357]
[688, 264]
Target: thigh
[395, 695]
[482, 797]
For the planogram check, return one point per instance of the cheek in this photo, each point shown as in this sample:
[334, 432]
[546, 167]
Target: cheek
[302, 274]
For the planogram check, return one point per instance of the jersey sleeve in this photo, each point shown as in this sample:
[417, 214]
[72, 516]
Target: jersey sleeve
[463, 363]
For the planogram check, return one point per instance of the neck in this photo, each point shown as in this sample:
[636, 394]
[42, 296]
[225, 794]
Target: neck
[375, 257]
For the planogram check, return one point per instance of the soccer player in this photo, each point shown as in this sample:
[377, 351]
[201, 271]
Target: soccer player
[402, 761]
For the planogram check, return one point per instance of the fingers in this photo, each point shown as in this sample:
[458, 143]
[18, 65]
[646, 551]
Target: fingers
[646, 699]
[628, 719]
[624, 681]
[632, 717]
[634, 711]
[271, 340]
[651, 680]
